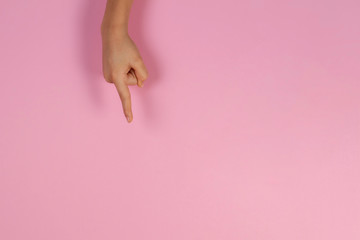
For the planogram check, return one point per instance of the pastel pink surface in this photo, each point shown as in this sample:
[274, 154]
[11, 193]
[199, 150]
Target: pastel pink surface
[247, 128]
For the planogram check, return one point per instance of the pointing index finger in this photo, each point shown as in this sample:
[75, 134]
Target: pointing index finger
[125, 97]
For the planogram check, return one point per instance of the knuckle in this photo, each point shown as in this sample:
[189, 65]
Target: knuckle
[107, 76]
[113, 76]
[108, 79]
[138, 60]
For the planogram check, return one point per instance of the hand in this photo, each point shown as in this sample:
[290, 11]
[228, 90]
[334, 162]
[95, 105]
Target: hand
[123, 66]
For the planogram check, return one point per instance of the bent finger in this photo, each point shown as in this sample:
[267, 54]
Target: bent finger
[140, 72]
[131, 78]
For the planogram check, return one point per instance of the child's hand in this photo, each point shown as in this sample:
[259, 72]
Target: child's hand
[122, 65]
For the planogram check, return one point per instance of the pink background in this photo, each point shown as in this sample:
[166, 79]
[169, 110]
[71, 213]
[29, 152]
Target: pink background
[247, 128]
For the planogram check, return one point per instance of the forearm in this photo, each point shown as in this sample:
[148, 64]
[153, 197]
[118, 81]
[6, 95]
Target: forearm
[116, 16]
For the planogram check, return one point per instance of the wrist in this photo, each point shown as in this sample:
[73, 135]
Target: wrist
[111, 29]
[116, 17]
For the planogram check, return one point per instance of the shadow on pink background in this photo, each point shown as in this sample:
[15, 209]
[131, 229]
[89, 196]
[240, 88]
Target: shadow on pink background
[247, 128]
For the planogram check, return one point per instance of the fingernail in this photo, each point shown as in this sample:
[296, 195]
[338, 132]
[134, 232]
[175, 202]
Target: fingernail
[128, 118]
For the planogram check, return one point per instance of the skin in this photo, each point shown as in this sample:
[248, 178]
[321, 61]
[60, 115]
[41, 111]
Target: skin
[122, 63]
